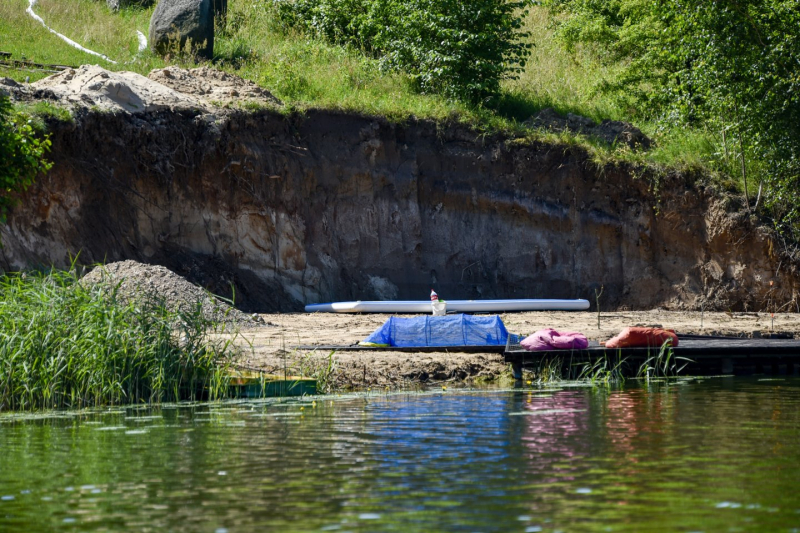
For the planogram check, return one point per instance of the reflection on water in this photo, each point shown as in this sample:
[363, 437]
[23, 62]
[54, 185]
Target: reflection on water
[713, 455]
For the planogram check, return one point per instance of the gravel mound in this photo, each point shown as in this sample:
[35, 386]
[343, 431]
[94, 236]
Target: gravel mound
[211, 85]
[91, 85]
[200, 89]
[136, 278]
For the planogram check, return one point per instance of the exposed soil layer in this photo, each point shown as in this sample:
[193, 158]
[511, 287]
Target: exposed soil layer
[273, 348]
[288, 209]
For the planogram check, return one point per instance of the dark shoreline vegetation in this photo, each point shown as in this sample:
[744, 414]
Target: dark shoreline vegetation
[66, 344]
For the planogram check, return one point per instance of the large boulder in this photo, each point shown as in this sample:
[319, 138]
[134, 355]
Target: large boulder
[178, 22]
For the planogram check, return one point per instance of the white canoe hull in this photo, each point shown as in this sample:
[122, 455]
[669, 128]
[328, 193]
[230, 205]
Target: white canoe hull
[458, 306]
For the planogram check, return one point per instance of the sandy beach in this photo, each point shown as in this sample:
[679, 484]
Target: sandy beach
[273, 346]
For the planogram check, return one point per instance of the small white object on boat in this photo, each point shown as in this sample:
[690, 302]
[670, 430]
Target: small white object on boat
[458, 306]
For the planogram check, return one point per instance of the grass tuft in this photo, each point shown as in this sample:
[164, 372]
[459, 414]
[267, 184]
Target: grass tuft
[67, 345]
[41, 112]
[664, 364]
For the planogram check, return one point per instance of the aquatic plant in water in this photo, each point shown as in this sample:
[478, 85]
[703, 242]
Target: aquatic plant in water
[663, 364]
[64, 343]
[603, 371]
[321, 370]
[549, 371]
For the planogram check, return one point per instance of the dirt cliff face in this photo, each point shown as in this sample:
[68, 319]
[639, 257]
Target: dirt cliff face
[325, 206]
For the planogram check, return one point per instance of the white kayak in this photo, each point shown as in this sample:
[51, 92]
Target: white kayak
[459, 306]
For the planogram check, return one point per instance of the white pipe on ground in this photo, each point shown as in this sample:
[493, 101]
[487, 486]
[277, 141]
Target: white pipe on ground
[69, 41]
[459, 306]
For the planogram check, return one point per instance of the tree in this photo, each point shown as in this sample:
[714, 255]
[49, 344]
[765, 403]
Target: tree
[21, 156]
[732, 66]
[459, 49]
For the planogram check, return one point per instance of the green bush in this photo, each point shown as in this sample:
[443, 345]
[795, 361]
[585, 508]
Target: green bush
[727, 67]
[21, 155]
[66, 344]
[462, 50]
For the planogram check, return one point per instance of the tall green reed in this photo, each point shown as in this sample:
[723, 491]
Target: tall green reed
[549, 371]
[66, 344]
[664, 364]
[604, 371]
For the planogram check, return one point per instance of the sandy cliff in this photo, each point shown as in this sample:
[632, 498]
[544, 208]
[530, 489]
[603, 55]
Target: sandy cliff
[294, 208]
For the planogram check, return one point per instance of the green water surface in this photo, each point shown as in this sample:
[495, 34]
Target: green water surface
[719, 454]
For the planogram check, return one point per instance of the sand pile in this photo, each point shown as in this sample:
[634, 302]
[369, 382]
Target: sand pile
[91, 85]
[202, 89]
[213, 86]
[136, 278]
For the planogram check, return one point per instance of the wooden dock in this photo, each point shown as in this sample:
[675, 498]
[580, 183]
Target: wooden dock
[702, 355]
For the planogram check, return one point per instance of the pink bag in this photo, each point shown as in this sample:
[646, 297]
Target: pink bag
[550, 339]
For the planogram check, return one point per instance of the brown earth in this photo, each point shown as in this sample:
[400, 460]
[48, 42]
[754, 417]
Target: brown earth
[272, 347]
[288, 209]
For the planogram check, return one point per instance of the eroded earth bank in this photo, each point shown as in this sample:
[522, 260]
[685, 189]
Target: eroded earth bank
[210, 176]
[286, 208]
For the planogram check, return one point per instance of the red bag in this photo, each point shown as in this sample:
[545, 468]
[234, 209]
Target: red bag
[642, 338]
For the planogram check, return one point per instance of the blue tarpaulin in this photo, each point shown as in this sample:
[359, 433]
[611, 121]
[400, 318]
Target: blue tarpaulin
[452, 330]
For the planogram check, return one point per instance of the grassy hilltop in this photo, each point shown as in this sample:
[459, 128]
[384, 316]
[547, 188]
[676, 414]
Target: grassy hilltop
[306, 72]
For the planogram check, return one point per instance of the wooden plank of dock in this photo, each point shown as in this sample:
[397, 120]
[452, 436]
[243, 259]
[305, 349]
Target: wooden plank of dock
[731, 347]
[714, 354]
[705, 354]
[689, 346]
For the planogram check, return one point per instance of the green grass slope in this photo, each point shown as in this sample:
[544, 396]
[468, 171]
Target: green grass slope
[305, 72]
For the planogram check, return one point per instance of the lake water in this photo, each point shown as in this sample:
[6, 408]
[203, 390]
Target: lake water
[720, 454]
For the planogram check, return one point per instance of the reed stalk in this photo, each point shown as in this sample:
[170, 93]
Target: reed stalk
[66, 344]
[603, 371]
[664, 364]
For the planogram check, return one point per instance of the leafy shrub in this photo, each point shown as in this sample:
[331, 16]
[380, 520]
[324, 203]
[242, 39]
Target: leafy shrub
[458, 49]
[729, 67]
[21, 155]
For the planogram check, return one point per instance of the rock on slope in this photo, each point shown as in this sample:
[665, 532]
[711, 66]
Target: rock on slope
[177, 24]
